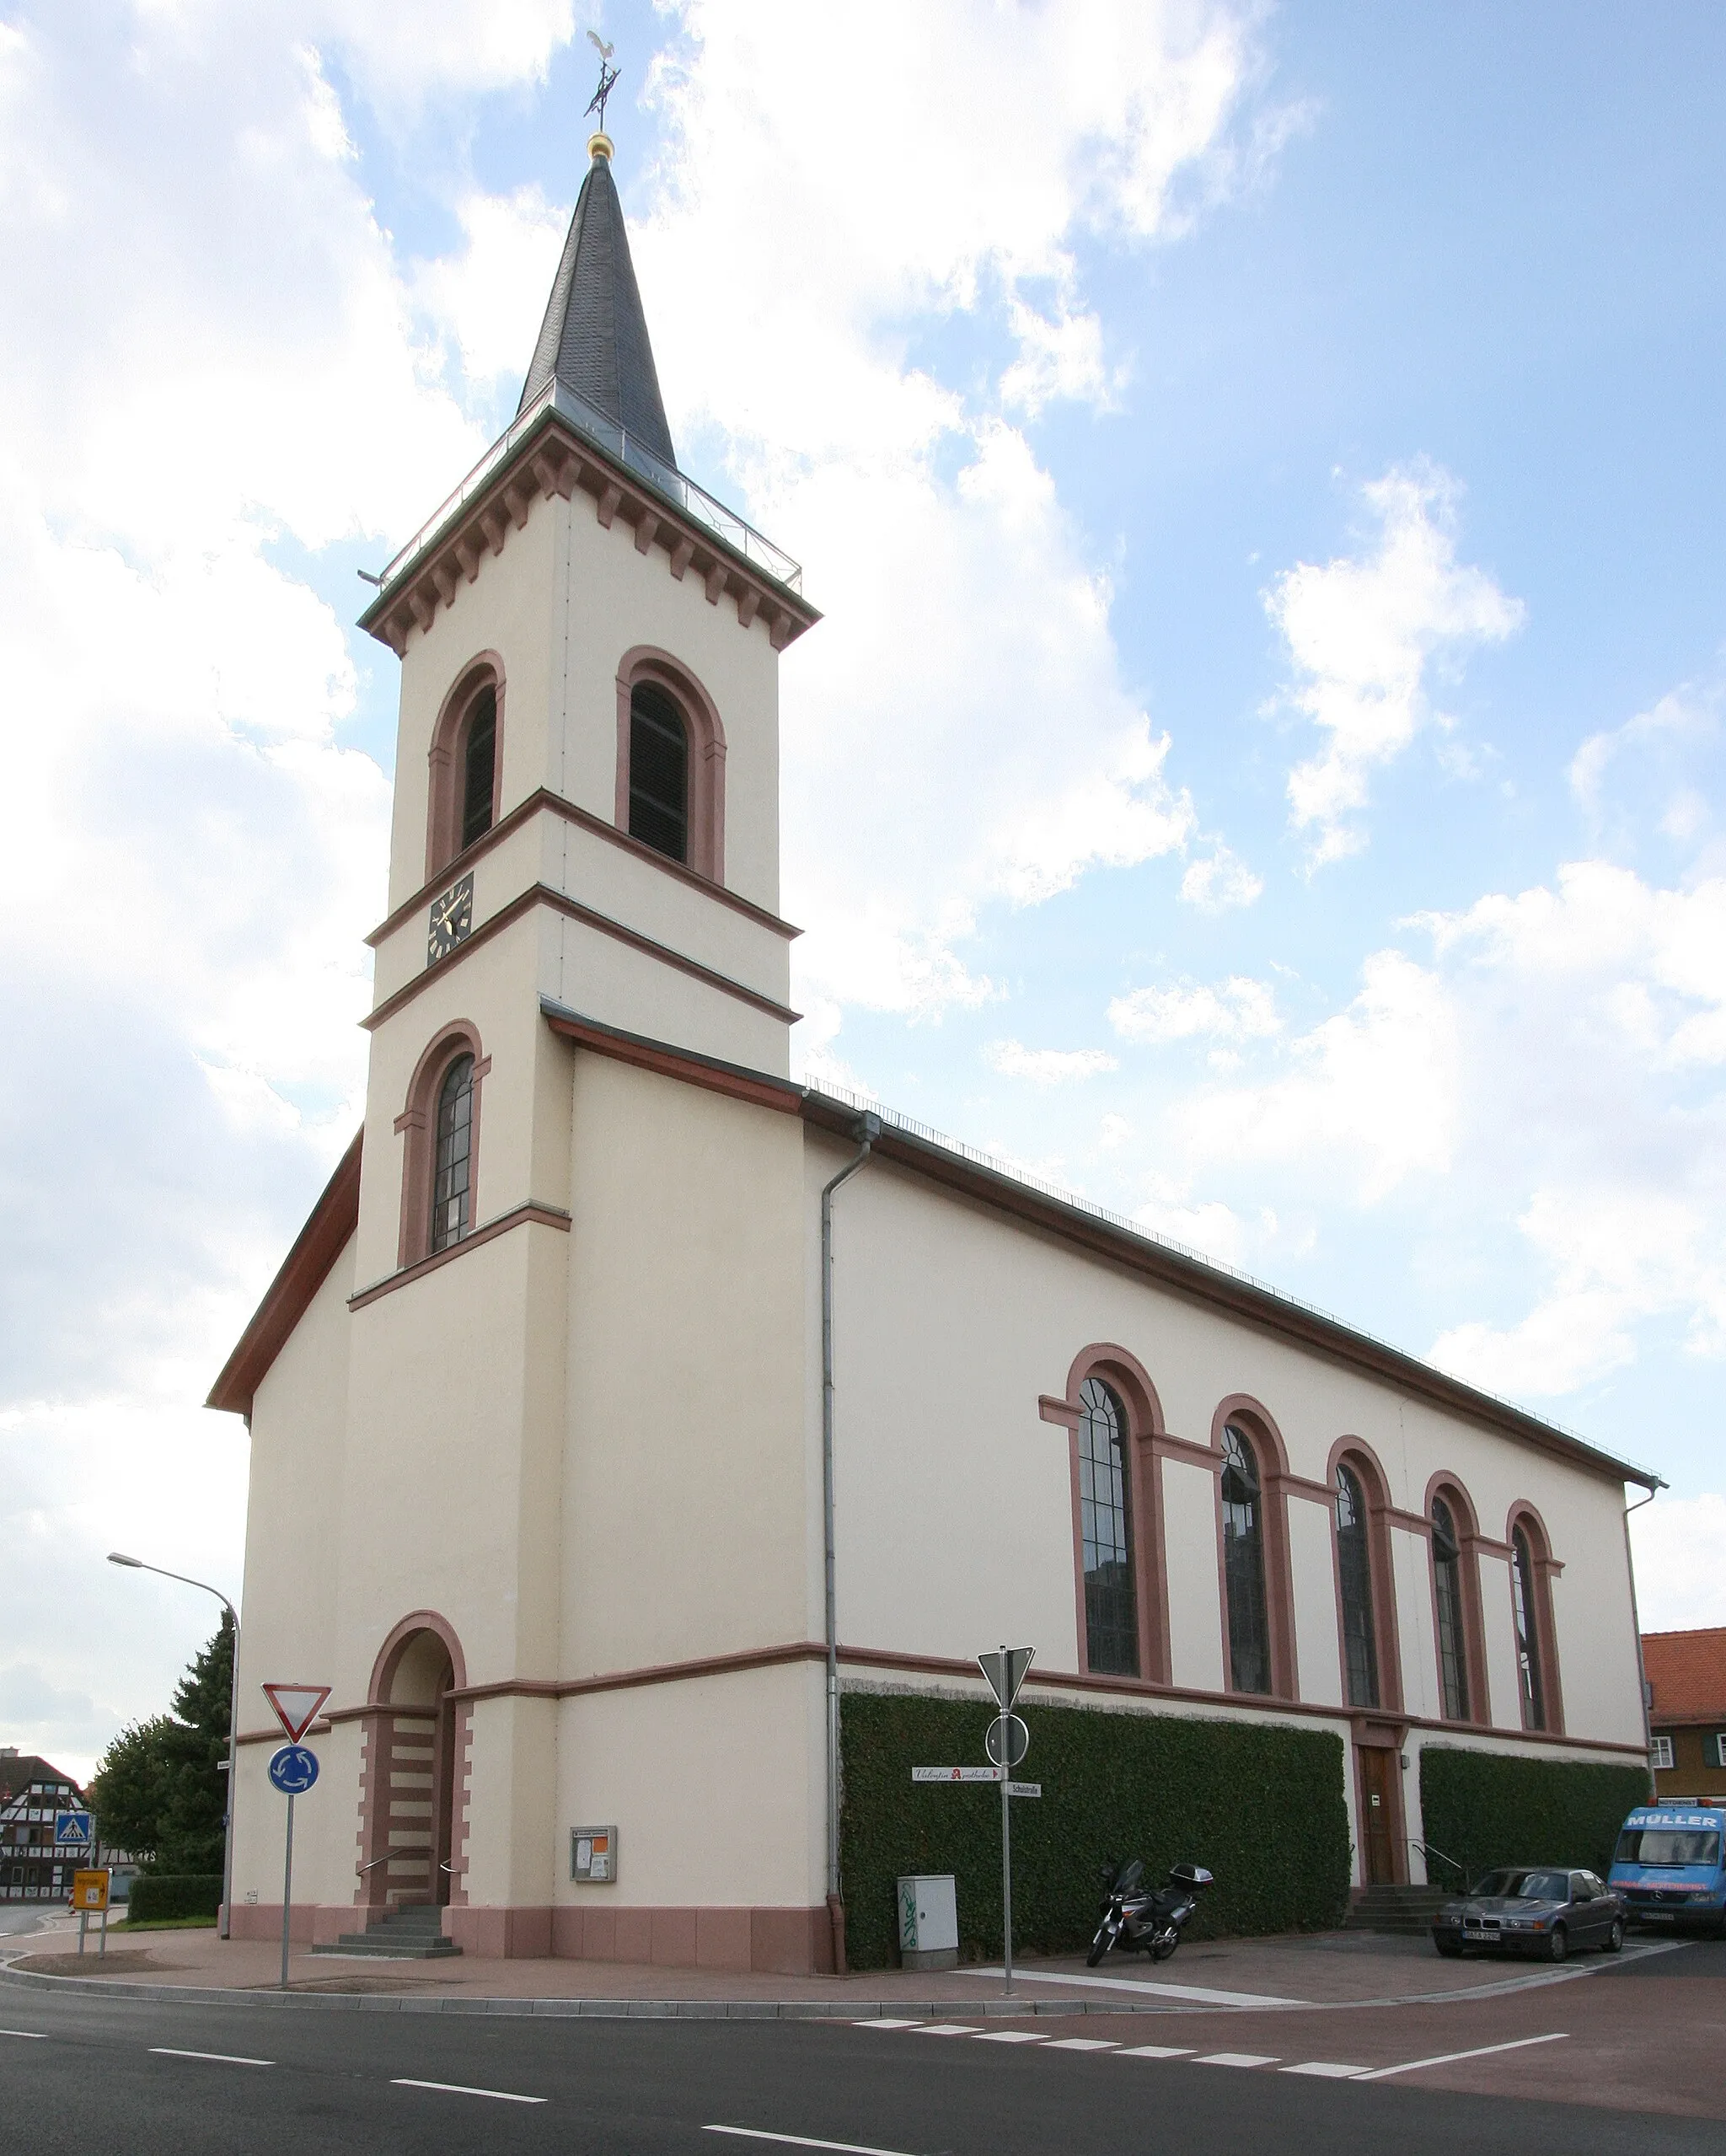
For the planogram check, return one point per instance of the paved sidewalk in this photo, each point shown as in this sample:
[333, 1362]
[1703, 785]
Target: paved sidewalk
[1324, 1970]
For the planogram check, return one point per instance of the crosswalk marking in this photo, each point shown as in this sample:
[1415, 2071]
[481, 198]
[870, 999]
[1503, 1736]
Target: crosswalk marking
[1327, 2070]
[1235, 2058]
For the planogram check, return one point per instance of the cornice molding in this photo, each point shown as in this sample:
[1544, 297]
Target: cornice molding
[552, 804]
[542, 894]
[302, 1273]
[552, 459]
[531, 1214]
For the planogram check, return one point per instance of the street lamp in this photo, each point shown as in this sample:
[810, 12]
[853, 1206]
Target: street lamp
[138, 1564]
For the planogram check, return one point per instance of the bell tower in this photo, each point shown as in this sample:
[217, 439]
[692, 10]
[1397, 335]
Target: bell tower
[586, 793]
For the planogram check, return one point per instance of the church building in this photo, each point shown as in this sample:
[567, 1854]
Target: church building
[625, 1408]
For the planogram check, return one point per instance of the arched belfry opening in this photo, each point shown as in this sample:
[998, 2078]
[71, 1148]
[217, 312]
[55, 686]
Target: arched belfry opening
[411, 1771]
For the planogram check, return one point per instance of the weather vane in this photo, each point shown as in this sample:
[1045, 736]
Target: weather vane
[608, 76]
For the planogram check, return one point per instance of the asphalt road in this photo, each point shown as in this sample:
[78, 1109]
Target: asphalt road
[78, 2072]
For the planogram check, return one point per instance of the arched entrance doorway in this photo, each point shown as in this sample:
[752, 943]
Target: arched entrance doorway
[410, 1793]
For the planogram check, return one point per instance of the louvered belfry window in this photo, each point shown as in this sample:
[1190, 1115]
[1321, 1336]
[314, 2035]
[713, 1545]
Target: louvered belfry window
[1243, 1564]
[659, 772]
[1106, 1518]
[452, 1190]
[1354, 1565]
[478, 767]
[1447, 1581]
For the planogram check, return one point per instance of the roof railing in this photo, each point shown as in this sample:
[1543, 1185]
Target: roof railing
[604, 433]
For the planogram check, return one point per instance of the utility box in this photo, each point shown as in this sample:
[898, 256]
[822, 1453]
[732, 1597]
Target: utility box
[929, 1923]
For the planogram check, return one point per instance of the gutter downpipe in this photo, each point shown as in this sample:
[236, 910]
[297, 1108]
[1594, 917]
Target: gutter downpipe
[869, 1129]
[1641, 1668]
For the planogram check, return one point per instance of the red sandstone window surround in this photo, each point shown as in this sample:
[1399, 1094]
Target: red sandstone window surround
[1458, 1630]
[1531, 1570]
[440, 1127]
[466, 764]
[1120, 1575]
[1252, 1551]
[670, 796]
[1366, 1587]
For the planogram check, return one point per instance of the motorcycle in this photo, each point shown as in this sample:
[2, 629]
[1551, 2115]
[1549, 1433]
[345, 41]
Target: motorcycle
[1139, 1921]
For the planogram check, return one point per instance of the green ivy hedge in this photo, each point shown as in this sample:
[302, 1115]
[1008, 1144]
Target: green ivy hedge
[1261, 1807]
[1485, 1808]
[158, 1896]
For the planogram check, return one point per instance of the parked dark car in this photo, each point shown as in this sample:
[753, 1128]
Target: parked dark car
[1533, 1909]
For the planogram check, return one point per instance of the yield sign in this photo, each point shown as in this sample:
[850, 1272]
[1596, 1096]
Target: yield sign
[1005, 1672]
[296, 1706]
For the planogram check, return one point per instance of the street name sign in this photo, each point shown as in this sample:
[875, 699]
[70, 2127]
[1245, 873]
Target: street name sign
[1024, 1789]
[296, 1706]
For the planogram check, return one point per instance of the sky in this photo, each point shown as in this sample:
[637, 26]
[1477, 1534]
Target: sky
[1261, 767]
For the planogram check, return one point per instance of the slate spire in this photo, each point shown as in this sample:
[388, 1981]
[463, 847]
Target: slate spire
[594, 337]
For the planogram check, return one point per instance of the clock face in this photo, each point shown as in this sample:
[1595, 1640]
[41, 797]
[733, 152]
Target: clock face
[452, 920]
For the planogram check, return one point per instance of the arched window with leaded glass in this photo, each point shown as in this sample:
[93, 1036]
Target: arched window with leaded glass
[452, 1189]
[1453, 1634]
[1106, 1518]
[1354, 1569]
[659, 771]
[1243, 1563]
[1529, 1643]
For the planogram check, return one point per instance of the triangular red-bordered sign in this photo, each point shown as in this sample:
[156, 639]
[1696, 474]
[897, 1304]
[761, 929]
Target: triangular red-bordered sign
[296, 1706]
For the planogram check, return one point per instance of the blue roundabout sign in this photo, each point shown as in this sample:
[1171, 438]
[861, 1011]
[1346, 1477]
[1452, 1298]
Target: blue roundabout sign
[293, 1769]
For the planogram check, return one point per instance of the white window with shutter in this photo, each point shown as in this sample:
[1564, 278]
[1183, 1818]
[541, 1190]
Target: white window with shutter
[1660, 1753]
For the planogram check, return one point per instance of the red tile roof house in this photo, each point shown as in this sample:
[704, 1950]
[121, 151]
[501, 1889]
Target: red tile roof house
[1686, 1675]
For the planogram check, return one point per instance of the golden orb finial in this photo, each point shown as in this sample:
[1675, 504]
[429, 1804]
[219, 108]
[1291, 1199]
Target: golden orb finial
[600, 145]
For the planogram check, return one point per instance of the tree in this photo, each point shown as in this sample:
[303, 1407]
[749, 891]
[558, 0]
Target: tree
[158, 1790]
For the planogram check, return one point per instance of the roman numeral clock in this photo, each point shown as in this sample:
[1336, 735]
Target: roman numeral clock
[452, 920]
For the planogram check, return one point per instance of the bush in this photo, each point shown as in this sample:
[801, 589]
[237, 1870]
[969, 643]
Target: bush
[157, 1896]
[1485, 1808]
[1259, 1805]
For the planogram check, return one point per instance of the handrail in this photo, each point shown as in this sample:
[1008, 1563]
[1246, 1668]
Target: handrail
[1427, 1849]
[390, 1855]
[604, 433]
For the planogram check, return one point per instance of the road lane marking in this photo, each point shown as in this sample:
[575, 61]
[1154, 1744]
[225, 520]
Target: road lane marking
[802, 2141]
[948, 2029]
[217, 2058]
[1084, 2043]
[41, 2034]
[881, 2021]
[1450, 2058]
[1194, 1994]
[456, 2088]
[1010, 2036]
[1327, 2069]
[1156, 2052]
[1235, 2058]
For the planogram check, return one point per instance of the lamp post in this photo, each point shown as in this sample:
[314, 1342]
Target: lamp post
[138, 1564]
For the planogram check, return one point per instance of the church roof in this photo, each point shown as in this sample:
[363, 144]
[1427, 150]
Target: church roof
[594, 337]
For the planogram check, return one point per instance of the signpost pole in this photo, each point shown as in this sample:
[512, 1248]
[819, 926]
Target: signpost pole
[1007, 1851]
[103, 1948]
[286, 1890]
[83, 1921]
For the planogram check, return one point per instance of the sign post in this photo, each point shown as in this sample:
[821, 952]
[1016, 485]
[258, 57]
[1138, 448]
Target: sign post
[1008, 1742]
[293, 1770]
[89, 1890]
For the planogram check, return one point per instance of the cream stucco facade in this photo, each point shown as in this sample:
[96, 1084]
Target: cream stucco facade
[543, 1503]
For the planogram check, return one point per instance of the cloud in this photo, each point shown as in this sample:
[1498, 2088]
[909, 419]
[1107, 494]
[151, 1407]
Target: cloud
[1219, 880]
[1626, 778]
[1680, 1546]
[1362, 633]
[1047, 1066]
[964, 697]
[1238, 1009]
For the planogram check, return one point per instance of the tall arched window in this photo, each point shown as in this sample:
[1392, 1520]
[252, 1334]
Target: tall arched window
[478, 767]
[659, 771]
[1105, 1512]
[452, 1185]
[1243, 1563]
[1354, 1565]
[1529, 1643]
[1447, 1582]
